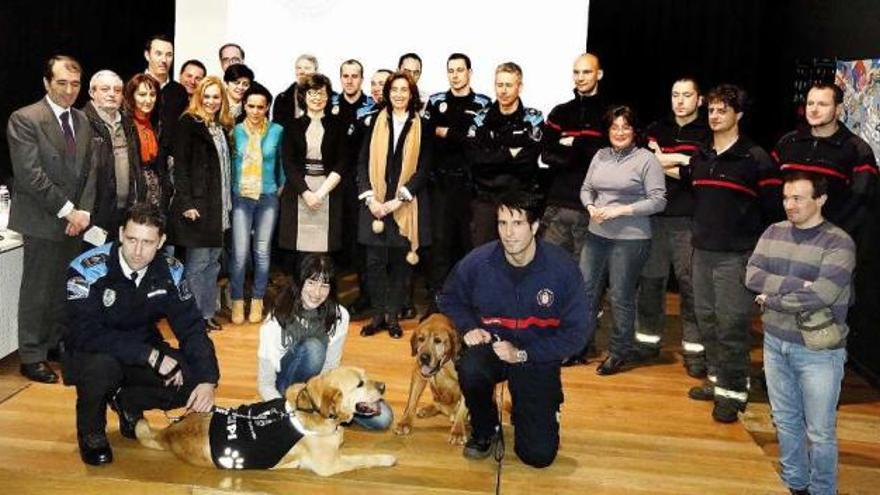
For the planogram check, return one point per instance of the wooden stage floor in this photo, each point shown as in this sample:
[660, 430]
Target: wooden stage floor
[636, 432]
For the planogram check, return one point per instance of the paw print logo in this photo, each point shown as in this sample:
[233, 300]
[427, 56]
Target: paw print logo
[231, 459]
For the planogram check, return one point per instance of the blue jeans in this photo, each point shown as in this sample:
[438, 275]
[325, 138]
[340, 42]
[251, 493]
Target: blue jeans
[622, 261]
[259, 216]
[202, 268]
[306, 359]
[804, 386]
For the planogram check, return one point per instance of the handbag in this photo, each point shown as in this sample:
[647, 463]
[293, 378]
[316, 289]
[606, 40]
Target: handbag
[819, 329]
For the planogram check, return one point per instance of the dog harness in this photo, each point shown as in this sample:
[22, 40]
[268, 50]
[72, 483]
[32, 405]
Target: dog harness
[252, 436]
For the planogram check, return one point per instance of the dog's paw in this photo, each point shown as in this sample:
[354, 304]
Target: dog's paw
[456, 437]
[402, 428]
[427, 411]
[385, 460]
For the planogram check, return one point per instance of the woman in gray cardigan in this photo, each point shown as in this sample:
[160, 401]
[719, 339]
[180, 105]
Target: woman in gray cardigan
[623, 187]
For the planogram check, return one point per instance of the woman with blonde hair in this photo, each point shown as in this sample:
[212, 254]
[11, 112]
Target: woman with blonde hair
[202, 181]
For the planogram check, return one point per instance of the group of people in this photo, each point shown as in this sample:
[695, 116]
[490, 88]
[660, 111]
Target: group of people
[385, 176]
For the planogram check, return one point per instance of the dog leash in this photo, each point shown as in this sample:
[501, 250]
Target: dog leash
[498, 455]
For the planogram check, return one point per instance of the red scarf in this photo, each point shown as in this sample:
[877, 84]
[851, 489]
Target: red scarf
[149, 143]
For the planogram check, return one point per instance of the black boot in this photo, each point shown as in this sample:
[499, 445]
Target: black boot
[94, 449]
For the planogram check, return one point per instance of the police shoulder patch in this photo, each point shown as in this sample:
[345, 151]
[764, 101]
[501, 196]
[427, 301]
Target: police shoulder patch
[77, 288]
[437, 97]
[533, 117]
[482, 100]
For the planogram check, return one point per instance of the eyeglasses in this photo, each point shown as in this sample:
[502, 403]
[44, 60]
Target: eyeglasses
[319, 94]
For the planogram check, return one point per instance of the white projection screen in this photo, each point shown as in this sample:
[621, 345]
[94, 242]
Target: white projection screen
[542, 37]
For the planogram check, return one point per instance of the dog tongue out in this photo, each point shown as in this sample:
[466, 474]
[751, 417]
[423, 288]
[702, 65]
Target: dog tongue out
[426, 370]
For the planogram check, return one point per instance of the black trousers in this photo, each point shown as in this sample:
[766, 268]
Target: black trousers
[388, 278]
[97, 376]
[536, 394]
[42, 309]
[450, 228]
[484, 221]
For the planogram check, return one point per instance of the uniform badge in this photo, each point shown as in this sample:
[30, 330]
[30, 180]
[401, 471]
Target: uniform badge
[367, 120]
[442, 107]
[109, 297]
[545, 298]
[335, 110]
[535, 133]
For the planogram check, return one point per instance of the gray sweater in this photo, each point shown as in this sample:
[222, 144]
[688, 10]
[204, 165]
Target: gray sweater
[633, 177]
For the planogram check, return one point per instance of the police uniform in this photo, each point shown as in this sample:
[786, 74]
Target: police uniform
[113, 332]
[671, 244]
[495, 171]
[845, 160]
[566, 220]
[450, 186]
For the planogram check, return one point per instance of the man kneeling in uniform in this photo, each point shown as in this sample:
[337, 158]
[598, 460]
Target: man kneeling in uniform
[115, 353]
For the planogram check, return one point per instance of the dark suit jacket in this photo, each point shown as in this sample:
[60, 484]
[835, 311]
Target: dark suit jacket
[45, 178]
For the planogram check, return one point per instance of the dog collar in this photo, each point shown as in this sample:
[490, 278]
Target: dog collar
[298, 424]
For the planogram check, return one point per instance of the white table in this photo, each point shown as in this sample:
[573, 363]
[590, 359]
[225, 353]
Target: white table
[11, 260]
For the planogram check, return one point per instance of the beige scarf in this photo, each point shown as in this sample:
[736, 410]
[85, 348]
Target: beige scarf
[251, 181]
[407, 216]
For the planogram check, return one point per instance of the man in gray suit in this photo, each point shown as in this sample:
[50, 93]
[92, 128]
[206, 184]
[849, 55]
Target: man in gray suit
[50, 148]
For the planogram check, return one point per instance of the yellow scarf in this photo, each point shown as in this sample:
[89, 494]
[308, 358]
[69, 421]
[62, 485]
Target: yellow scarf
[407, 216]
[251, 181]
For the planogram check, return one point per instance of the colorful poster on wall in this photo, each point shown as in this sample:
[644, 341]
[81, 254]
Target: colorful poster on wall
[860, 80]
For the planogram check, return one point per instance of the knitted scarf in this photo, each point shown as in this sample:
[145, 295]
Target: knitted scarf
[407, 216]
[251, 179]
[146, 136]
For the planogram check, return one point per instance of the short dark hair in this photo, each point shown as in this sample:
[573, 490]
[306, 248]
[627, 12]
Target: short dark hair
[615, 111]
[258, 89]
[838, 92]
[819, 182]
[406, 56]
[197, 63]
[69, 62]
[145, 214]
[317, 81]
[415, 103]
[132, 85]
[227, 45]
[690, 79]
[237, 71]
[157, 37]
[523, 201]
[352, 61]
[459, 56]
[730, 95]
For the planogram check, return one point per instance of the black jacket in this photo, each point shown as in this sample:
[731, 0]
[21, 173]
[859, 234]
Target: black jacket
[845, 160]
[109, 314]
[416, 186]
[457, 114]
[172, 102]
[686, 140]
[737, 195]
[105, 212]
[197, 183]
[581, 119]
[334, 152]
[283, 110]
[488, 148]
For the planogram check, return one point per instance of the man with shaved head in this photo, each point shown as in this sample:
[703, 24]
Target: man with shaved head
[119, 183]
[572, 136]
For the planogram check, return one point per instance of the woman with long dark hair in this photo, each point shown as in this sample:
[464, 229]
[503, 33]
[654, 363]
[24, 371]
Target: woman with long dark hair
[392, 172]
[304, 335]
[139, 100]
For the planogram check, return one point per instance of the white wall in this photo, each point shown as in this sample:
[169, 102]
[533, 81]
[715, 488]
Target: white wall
[543, 37]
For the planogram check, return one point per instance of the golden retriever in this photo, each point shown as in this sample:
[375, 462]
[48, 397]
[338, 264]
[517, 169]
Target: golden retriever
[315, 410]
[435, 345]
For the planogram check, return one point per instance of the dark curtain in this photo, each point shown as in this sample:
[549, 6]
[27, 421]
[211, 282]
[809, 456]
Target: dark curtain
[644, 45]
[100, 34]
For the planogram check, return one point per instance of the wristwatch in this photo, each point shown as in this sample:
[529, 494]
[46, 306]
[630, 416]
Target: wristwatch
[522, 356]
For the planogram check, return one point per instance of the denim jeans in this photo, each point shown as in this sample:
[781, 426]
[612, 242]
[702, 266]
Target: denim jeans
[724, 308]
[259, 216]
[202, 268]
[306, 359]
[670, 245]
[622, 262]
[804, 386]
